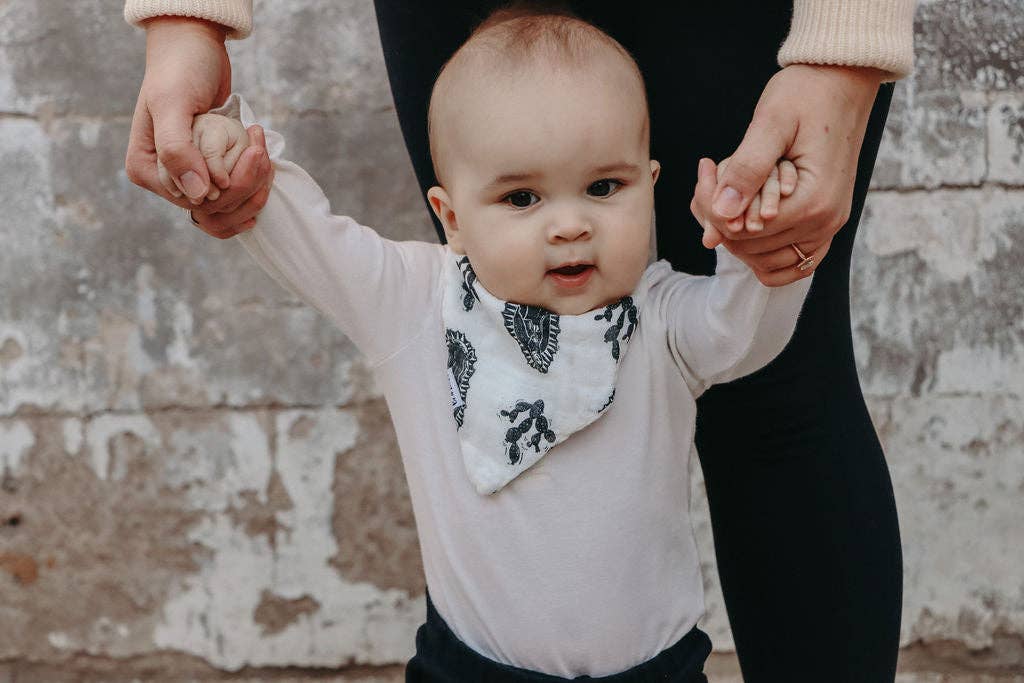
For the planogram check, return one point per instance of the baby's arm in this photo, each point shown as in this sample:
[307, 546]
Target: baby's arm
[727, 325]
[377, 291]
[765, 204]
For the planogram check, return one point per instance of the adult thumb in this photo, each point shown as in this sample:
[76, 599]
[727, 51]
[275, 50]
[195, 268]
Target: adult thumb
[172, 137]
[747, 170]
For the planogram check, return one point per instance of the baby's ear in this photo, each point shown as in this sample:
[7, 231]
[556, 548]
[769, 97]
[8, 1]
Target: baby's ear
[655, 171]
[441, 203]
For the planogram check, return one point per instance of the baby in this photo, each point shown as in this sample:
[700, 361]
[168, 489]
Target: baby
[540, 372]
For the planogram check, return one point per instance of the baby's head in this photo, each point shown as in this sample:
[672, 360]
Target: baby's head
[540, 138]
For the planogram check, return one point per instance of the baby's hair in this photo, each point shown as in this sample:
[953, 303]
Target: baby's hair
[518, 33]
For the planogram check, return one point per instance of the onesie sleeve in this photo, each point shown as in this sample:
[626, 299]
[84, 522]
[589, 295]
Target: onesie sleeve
[379, 292]
[236, 15]
[876, 33]
[727, 325]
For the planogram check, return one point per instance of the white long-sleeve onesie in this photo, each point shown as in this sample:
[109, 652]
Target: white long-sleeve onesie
[586, 563]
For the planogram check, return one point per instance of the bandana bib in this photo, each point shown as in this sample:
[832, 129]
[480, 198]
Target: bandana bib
[524, 379]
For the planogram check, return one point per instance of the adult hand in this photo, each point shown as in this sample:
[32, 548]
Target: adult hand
[775, 268]
[815, 116]
[187, 73]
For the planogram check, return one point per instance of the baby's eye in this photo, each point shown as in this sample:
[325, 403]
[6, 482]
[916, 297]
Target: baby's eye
[520, 199]
[602, 187]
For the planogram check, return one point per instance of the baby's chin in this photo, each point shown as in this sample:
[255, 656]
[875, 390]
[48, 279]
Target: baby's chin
[586, 304]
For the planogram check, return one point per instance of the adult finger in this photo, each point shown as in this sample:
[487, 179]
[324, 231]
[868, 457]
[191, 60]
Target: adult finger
[764, 142]
[165, 180]
[735, 224]
[224, 225]
[776, 241]
[256, 136]
[786, 275]
[779, 259]
[142, 164]
[809, 213]
[215, 227]
[172, 134]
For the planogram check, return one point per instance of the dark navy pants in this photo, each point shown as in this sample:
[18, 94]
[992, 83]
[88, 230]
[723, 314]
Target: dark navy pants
[802, 509]
[442, 658]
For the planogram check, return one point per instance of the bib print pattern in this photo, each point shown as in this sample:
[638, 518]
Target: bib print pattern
[527, 433]
[524, 379]
[461, 365]
[628, 315]
[468, 279]
[536, 330]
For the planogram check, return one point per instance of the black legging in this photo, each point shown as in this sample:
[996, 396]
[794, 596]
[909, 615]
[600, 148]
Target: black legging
[802, 507]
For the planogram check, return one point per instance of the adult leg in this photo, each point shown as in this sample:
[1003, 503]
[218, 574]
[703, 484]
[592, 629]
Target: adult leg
[417, 38]
[802, 507]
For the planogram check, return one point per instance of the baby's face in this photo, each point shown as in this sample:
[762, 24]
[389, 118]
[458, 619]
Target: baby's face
[547, 171]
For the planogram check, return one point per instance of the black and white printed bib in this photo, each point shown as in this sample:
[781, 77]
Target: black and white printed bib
[523, 379]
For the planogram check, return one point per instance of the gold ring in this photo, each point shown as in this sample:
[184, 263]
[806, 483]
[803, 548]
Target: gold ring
[805, 261]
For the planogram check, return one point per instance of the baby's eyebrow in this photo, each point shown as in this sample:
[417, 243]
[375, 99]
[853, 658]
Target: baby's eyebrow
[509, 178]
[618, 167]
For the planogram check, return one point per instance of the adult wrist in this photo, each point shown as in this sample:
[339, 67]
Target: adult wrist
[869, 76]
[857, 84]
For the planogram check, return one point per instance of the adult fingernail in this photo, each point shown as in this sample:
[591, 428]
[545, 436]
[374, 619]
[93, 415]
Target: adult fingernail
[193, 184]
[728, 203]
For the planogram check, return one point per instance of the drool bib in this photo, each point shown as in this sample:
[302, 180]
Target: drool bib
[523, 379]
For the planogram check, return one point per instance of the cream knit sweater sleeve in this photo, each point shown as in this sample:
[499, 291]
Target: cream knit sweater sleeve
[878, 33]
[234, 14]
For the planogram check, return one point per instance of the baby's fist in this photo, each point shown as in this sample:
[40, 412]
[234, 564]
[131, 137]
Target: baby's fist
[221, 140]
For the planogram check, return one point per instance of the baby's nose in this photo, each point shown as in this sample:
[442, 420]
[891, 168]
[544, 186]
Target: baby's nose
[570, 229]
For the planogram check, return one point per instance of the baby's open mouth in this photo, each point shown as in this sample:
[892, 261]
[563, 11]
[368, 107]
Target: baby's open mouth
[572, 270]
